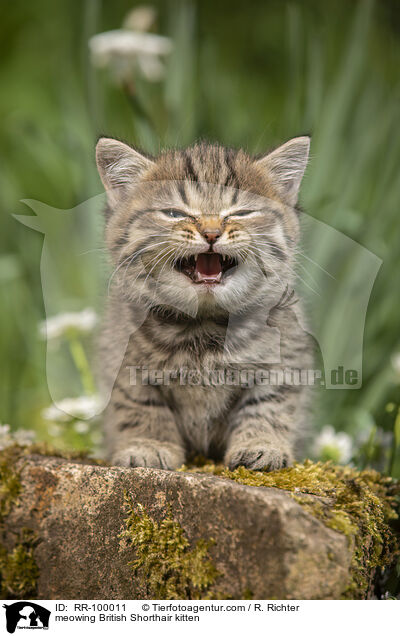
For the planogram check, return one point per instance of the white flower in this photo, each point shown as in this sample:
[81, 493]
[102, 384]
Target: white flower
[332, 445]
[57, 326]
[81, 427]
[24, 437]
[140, 18]
[84, 407]
[123, 50]
[4, 430]
[5, 436]
[55, 414]
[126, 43]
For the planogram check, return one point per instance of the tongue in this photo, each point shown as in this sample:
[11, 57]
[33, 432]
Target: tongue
[208, 266]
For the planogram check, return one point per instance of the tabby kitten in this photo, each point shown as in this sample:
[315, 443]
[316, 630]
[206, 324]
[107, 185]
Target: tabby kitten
[203, 243]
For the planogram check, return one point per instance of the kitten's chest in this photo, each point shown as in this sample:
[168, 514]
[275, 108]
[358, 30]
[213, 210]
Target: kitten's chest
[194, 397]
[201, 413]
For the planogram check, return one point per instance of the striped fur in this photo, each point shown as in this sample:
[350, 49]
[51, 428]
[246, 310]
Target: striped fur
[160, 210]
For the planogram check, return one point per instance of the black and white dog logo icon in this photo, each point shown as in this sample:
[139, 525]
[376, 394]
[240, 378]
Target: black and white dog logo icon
[26, 615]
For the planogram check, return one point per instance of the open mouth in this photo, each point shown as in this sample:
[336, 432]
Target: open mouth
[208, 268]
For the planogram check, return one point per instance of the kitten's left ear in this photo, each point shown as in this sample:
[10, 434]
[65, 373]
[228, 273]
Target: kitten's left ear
[119, 166]
[286, 166]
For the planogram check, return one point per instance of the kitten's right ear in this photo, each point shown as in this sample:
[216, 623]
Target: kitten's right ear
[119, 167]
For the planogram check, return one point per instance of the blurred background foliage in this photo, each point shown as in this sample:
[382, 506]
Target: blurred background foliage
[244, 74]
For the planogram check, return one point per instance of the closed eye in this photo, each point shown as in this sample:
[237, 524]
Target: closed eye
[173, 213]
[244, 213]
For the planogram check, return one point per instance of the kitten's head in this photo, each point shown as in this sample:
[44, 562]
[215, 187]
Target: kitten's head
[203, 227]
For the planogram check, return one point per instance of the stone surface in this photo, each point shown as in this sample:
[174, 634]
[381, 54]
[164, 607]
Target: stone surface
[266, 544]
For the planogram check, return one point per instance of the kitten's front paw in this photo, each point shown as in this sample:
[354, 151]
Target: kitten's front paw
[258, 456]
[150, 454]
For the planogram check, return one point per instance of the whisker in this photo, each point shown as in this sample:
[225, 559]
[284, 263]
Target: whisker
[300, 251]
[159, 257]
[131, 257]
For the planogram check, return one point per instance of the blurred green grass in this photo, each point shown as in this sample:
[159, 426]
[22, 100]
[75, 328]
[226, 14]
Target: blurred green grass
[249, 78]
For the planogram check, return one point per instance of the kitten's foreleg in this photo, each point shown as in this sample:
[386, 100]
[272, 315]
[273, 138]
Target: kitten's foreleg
[142, 432]
[261, 435]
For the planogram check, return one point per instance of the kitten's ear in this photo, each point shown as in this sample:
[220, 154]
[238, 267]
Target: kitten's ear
[286, 166]
[119, 167]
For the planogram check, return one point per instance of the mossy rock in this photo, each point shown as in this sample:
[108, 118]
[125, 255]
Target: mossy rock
[73, 530]
[362, 505]
[164, 559]
[18, 569]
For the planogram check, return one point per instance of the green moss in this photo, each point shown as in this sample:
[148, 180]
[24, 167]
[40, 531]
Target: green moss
[18, 569]
[165, 561]
[19, 572]
[360, 505]
[10, 487]
[15, 452]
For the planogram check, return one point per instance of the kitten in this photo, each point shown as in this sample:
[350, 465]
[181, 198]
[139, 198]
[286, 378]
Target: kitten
[203, 243]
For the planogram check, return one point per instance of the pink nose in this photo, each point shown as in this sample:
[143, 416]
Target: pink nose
[211, 235]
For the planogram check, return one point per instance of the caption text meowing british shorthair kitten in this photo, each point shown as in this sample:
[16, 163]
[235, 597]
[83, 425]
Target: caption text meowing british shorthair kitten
[203, 242]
